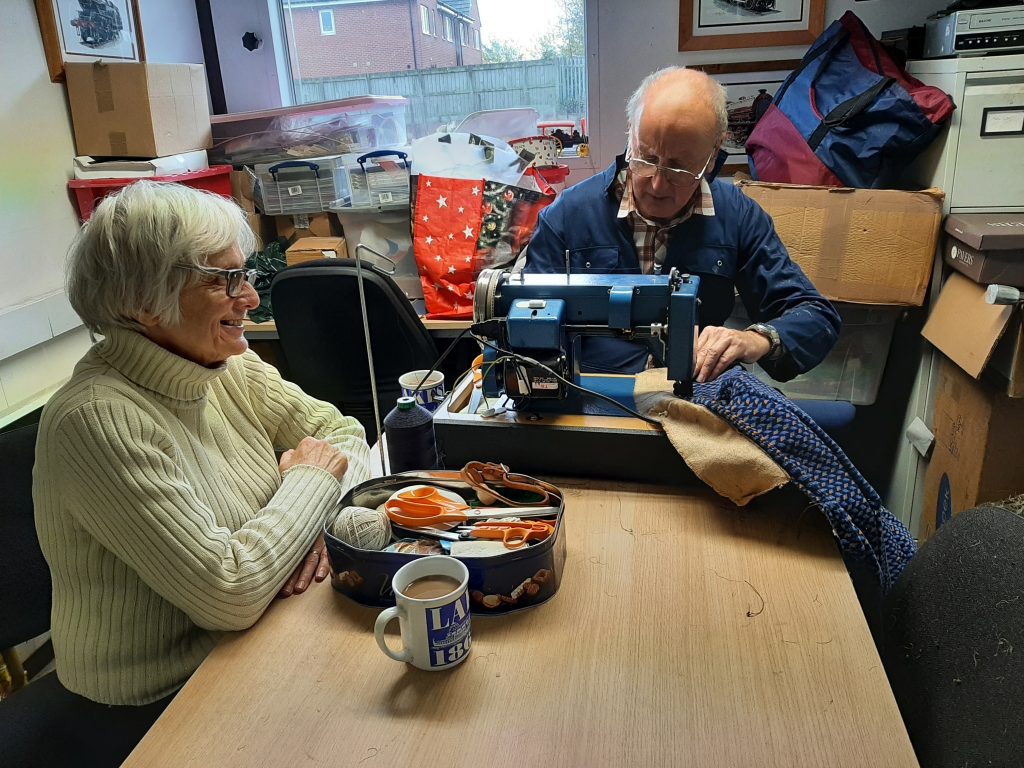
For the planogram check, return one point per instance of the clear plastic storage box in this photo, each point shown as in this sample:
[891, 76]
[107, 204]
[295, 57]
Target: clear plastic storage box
[853, 370]
[355, 124]
[378, 178]
[301, 186]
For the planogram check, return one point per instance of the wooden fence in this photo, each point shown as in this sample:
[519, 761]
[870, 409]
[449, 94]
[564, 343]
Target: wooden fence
[441, 98]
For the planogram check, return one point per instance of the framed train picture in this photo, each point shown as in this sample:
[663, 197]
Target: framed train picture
[88, 30]
[716, 24]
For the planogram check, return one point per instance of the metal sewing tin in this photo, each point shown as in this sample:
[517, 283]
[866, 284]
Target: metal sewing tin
[497, 584]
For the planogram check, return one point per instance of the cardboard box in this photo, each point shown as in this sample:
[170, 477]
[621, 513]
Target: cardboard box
[262, 226]
[981, 338]
[242, 190]
[987, 247]
[126, 168]
[977, 456]
[864, 246]
[314, 248]
[293, 228]
[134, 109]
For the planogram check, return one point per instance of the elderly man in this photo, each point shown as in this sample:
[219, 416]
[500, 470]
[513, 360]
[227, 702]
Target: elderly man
[655, 209]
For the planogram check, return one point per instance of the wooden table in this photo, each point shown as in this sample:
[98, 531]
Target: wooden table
[686, 632]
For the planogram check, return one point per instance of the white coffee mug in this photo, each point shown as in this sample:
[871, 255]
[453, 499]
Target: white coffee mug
[432, 608]
[428, 391]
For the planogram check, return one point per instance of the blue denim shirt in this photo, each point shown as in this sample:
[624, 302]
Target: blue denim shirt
[736, 250]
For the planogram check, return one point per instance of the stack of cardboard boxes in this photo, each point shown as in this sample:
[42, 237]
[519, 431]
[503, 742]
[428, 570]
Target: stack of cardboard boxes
[154, 120]
[979, 398]
[871, 252]
[137, 120]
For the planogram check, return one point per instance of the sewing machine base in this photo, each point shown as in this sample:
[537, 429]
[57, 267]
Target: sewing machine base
[594, 445]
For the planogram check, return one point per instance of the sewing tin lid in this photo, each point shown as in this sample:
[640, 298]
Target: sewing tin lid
[987, 231]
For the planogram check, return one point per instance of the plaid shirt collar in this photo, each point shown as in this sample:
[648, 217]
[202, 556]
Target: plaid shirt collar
[651, 238]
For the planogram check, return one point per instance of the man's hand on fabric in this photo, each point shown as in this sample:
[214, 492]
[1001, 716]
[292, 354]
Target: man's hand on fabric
[718, 349]
[314, 567]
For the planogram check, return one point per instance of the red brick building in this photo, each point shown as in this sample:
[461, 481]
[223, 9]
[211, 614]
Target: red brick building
[335, 38]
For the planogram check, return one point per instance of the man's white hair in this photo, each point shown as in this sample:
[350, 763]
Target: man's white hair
[716, 101]
[125, 260]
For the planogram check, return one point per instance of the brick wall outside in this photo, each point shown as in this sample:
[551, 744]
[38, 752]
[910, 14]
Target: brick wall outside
[370, 37]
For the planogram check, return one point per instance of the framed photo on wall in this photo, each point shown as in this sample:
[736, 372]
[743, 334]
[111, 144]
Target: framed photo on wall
[715, 24]
[748, 95]
[89, 30]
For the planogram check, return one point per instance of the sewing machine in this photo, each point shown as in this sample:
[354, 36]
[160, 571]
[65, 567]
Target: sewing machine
[535, 324]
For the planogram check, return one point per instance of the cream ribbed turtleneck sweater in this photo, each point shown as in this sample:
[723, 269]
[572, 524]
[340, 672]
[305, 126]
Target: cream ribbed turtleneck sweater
[163, 514]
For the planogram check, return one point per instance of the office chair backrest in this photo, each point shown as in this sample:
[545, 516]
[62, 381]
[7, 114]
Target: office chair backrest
[25, 587]
[954, 641]
[316, 308]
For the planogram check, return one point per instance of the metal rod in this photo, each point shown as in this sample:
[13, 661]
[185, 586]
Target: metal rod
[384, 465]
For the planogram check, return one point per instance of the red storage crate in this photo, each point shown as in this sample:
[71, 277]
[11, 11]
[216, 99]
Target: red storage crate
[88, 192]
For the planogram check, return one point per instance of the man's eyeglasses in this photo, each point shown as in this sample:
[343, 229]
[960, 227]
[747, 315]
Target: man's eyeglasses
[233, 279]
[678, 177]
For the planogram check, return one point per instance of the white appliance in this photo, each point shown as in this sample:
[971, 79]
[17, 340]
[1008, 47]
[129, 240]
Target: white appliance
[974, 32]
[978, 161]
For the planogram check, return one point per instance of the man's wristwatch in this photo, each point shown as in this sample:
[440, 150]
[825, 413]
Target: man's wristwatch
[769, 332]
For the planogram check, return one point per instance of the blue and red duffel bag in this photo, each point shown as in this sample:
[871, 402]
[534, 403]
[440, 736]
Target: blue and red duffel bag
[848, 116]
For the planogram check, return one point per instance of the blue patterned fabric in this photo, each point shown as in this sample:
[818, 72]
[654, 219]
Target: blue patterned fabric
[818, 466]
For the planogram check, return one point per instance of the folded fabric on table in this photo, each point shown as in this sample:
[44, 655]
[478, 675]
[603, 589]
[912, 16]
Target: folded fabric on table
[720, 456]
[860, 522]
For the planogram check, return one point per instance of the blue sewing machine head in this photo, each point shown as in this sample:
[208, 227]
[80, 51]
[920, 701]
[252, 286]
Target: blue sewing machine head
[535, 324]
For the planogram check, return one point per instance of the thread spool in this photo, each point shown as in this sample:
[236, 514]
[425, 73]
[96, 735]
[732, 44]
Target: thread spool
[409, 429]
[363, 528]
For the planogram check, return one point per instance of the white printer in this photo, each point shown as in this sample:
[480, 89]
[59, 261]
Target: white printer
[965, 33]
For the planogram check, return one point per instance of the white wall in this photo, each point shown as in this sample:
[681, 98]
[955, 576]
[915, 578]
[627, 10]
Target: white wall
[37, 219]
[171, 31]
[251, 79]
[635, 38]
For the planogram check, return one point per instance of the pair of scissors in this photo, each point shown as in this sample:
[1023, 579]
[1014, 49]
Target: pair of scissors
[512, 534]
[424, 506]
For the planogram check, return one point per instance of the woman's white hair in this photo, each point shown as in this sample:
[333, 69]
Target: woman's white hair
[126, 259]
[714, 93]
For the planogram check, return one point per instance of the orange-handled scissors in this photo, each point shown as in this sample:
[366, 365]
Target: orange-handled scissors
[512, 534]
[422, 506]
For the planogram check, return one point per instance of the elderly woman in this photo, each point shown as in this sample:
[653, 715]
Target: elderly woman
[163, 512]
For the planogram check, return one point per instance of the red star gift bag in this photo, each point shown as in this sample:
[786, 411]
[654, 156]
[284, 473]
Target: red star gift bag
[461, 226]
[446, 224]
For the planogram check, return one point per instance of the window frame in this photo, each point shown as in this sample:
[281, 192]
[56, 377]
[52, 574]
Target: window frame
[424, 19]
[447, 27]
[464, 34]
[327, 13]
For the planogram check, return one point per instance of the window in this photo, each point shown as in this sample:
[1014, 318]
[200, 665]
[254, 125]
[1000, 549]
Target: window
[326, 22]
[427, 23]
[493, 40]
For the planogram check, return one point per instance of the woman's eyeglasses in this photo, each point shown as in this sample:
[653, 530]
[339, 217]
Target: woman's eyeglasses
[678, 177]
[233, 279]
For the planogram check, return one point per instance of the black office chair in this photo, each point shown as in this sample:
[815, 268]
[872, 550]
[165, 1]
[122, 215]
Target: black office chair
[43, 723]
[24, 576]
[954, 642]
[320, 326]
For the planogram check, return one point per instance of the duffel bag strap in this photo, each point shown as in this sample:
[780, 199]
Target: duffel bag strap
[843, 112]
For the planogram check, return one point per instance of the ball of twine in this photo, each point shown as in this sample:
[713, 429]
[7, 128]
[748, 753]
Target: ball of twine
[363, 527]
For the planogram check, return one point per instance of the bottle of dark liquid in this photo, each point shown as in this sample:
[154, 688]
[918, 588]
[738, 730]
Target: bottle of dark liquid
[409, 430]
